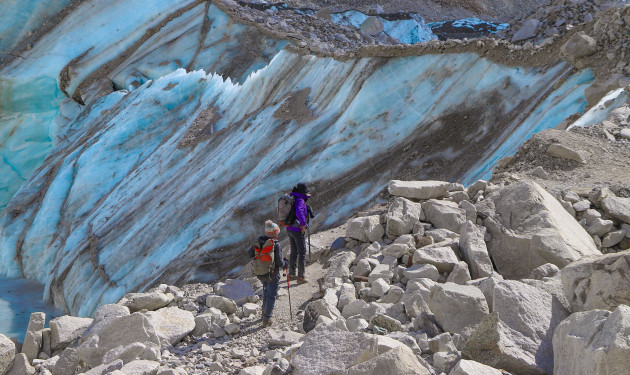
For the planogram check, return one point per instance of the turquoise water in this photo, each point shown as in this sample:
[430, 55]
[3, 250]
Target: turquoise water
[18, 299]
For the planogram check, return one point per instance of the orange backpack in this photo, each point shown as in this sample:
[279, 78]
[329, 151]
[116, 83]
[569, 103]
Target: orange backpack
[264, 257]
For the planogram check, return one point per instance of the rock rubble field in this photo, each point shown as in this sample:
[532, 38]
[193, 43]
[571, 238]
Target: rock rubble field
[489, 279]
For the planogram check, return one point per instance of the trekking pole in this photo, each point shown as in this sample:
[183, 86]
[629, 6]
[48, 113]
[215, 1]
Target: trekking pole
[310, 258]
[289, 293]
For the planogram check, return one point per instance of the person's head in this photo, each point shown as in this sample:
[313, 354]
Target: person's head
[271, 229]
[302, 189]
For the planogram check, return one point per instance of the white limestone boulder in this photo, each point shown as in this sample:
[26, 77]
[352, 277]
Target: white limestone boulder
[399, 360]
[529, 228]
[226, 305]
[474, 251]
[402, 216]
[593, 342]
[467, 367]
[21, 366]
[141, 367]
[457, 308]
[327, 351]
[65, 329]
[7, 354]
[443, 258]
[420, 271]
[616, 207]
[365, 229]
[314, 310]
[597, 282]
[444, 214]
[517, 336]
[171, 323]
[420, 190]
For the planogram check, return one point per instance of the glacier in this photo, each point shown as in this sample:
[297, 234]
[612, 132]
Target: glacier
[155, 146]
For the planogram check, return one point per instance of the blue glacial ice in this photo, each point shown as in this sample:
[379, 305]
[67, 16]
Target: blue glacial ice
[599, 112]
[408, 30]
[165, 183]
[32, 88]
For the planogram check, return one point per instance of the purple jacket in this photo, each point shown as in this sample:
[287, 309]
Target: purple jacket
[300, 211]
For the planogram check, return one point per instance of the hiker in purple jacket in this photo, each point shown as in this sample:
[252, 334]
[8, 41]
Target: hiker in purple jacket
[296, 233]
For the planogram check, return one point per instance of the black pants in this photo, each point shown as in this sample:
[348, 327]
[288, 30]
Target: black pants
[298, 253]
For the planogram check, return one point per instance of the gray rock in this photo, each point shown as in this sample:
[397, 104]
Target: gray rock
[402, 215]
[150, 301]
[396, 250]
[365, 229]
[382, 271]
[442, 343]
[467, 367]
[120, 331]
[563, 152]
[582, 205]
[459, 196]
[597, 282]
[444, 214]
[593, 342]
[141, 367]
[353, 308]
[457, 308]
[236, 290]
[362, 268]
[518, 340]
[443, 258]
[67, 363]
[613, 238]
[7, 354]
[421, 190]
[546, 270]
[625, 133]
[470, 209]
[442, 234]
[419, 271]
[528, 30]
[540, 173]
[340, 266]
[32, 344]
[599, 227]
[326, 351]
[106, 368]
[379, 288]
[399, 361]
[444, 362]
[253, 370]
[21, 366]
[386, 322]
[66, 329]
[171, 323]
[223, 304]
[372, 26]
[530, 228]
[578, 46]
[616, 207]
[316, 309]
[283, 338]
[460, 274]
[132, 352]
[474, 250]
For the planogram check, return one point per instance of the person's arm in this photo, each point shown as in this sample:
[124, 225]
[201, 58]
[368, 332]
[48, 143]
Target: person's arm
[300, 213]
[277, 256]
[251, 252]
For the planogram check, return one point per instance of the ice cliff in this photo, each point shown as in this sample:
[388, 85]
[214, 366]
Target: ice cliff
[167, 176]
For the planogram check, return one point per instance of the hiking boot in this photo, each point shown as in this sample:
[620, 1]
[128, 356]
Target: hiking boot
[302, 280]
[293, 277]
[267, 322]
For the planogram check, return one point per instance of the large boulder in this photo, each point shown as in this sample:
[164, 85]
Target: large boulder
[402, 215]
[578, 46]
[33, 337]
[365, 229]
[399, 360]
[7, 354]
[340, 266]
[474, 251]
[141, 367]
[598, 282]
[528, 30]
[326, 351]
[457, 308]
[616, 207]
[593, 342]
[444, 214]
[529, 228]
[316, 309]
[21, 366]
[171, 323]
[517, 336]
[66, 329]
[420, 190]
[120, 331]
[223, 304]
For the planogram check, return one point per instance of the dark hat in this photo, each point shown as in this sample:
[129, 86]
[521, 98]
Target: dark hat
[301, 188]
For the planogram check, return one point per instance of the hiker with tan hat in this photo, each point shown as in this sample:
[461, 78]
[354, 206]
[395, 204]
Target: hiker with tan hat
[267, 261]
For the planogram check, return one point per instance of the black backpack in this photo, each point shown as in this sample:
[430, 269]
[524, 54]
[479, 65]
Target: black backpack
[286, 210]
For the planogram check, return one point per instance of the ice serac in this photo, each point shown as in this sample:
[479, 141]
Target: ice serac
[164, 183]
